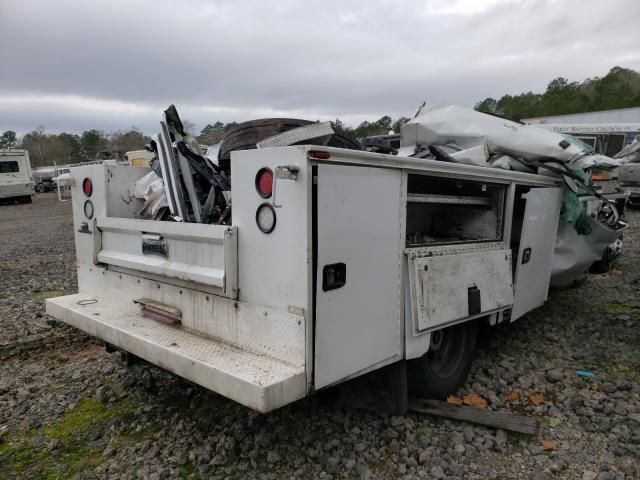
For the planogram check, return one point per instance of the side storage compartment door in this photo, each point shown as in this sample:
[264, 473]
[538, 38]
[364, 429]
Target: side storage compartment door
[533, 268]
[451, 283]
[357, 325]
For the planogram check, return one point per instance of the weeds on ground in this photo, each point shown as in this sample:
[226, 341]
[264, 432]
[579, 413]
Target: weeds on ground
[62, 449]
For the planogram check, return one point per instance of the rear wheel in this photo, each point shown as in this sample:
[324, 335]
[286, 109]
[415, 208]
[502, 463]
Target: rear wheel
[444, 368]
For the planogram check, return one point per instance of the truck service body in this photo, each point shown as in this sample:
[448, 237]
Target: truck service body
[351, 261]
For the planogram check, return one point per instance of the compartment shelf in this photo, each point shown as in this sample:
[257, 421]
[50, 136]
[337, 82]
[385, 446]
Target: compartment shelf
[448, 199]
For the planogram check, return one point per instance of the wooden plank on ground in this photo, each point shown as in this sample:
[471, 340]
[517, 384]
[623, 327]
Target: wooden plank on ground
[504, 420]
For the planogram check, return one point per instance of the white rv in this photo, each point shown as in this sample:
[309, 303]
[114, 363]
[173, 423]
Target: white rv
[16, 181]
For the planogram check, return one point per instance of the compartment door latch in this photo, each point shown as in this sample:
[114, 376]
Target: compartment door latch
[334, 276]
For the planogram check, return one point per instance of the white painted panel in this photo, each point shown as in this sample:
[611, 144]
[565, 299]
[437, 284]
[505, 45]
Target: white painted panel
[358, 325]
[256, 328]
[194, 252]
[273, 268]
[441, 283]
[121, 180]
[539, 235]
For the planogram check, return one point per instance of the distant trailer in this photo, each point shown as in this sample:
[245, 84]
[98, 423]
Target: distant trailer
[16, 179]
[607, 131]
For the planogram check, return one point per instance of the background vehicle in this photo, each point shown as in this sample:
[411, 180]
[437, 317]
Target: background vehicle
[629, 172]
[139, 158]
[16, 182]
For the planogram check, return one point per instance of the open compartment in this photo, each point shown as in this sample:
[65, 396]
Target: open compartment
[450, 211]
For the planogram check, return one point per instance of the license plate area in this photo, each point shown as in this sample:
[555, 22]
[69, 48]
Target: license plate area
[154, 246]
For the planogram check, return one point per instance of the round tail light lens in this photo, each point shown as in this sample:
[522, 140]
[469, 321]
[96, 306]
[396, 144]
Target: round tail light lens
[264, 182]
[87, 187]
[88, 209]
[266, 218]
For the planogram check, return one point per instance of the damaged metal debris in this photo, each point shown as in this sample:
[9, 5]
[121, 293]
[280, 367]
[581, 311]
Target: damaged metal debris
[194, 189]
[189, 185]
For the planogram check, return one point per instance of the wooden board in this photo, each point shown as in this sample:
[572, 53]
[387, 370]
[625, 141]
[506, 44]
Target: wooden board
[504, 420]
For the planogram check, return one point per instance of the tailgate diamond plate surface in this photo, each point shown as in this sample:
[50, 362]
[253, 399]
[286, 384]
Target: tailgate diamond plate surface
[256, 380]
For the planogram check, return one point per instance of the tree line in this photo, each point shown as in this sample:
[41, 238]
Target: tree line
[620, 88]
[45, 149]
[64, 148]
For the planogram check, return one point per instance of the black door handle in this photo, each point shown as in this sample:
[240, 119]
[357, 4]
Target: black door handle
[334, 276]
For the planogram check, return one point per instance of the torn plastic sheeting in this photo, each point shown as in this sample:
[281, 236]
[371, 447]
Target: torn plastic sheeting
[574, 254]
[630, 153]
[442, 124]
[573, 210]
[595, 160]
[154, 202]
[147, 185]
[151, 188]
[507, 162]
[473, 156]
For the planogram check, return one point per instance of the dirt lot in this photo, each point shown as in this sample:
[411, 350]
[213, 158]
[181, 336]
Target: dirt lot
[70, 410]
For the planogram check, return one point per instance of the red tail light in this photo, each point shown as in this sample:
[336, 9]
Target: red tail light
[319, 155]
[264, 182]
[87, 187]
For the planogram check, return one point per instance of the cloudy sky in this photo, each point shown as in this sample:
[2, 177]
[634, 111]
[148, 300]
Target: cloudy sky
[110, 64]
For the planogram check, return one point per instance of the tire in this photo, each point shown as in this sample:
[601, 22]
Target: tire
[444, 368]
[40, 188]
[245, 135]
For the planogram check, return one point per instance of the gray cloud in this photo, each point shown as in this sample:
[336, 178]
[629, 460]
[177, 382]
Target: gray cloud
[109, 65]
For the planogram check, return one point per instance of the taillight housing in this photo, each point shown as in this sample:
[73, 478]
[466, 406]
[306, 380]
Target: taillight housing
[264, 182]
[87, 187]
[266, 218]
[320, 155]
[88, 209]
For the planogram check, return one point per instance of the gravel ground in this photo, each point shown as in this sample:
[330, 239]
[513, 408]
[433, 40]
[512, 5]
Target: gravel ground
[70, 410]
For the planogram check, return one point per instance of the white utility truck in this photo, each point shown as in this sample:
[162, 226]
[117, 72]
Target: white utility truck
[16, 180]
[335, 263]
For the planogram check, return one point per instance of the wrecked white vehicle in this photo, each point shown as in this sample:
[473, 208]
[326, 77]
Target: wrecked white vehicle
[333, 262]
[590, 226]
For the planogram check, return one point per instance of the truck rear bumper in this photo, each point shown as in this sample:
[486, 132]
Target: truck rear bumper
[255, 380]
[16, 190]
